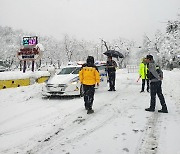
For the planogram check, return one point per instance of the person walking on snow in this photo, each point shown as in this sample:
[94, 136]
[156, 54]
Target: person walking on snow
[111, 70]
[89, 76]
[155, 75]
[143, 74]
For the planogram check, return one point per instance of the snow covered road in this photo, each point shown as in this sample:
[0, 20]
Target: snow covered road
[30, 124]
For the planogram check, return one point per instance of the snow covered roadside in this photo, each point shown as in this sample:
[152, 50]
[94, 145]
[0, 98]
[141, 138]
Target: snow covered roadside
[30, 124]
[11, 75]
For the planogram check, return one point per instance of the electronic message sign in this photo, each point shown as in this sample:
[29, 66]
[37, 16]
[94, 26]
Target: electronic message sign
[30, 50]
[30, 41]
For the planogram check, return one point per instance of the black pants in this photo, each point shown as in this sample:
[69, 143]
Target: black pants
[155, 88]
[112, 77]
[144, 81]
[88, 96]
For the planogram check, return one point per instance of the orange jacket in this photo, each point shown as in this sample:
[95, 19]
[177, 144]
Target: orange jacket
[89, 75]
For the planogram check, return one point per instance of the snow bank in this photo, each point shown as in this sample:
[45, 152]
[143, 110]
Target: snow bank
[12, 75]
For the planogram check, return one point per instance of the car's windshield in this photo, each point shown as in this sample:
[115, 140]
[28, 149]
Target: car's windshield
[69, 70]
[76, 71]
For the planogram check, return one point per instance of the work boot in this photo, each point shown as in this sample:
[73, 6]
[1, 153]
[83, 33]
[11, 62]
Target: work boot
[150, 109]
[90, 111]
[110, 90]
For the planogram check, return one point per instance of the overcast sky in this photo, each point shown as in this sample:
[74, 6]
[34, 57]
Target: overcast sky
[89, 19]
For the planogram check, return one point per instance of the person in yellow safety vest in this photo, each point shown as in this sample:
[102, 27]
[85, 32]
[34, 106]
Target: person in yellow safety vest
[89, 76]
[143, 71]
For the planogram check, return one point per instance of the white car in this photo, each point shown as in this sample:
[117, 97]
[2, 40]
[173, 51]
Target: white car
[66, 82]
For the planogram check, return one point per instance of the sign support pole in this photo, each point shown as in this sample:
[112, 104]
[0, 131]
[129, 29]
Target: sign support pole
[24, 68]
[32, 65]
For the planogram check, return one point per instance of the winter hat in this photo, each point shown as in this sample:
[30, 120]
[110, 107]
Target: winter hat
[150, 57]
[90, 60]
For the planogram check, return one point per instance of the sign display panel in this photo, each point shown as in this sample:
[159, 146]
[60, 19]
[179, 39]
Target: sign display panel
[30, 41]
[30, 49]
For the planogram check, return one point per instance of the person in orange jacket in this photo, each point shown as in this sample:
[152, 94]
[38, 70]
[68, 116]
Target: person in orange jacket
[89, 76]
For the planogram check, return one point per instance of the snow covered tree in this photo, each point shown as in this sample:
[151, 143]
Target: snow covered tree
[165, 47]
[69, 46]
[170, 49]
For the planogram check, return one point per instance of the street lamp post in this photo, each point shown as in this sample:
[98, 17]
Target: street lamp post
[96, 52]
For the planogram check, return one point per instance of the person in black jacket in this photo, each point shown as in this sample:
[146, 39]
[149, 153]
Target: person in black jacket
[155, 76]
[111, 69]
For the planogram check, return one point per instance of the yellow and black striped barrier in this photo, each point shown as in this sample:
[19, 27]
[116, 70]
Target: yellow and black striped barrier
[8, 80]
[14, 83]
[42, 79]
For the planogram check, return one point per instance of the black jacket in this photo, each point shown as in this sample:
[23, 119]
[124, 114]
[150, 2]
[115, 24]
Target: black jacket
[111, 66]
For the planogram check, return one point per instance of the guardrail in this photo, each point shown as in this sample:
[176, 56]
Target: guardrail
[21, 82]
[132, 68]
[13, 79]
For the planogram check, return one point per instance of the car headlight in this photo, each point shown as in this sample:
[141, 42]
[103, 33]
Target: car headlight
[74, 80]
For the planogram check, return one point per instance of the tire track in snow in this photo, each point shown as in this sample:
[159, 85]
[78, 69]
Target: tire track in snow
[69, 122]
[150, 140]
[41, 121]
[27, 126]
[148, 143]
[62, 140]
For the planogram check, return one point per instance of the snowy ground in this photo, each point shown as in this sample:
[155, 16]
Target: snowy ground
[32, 125]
